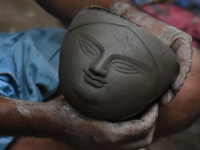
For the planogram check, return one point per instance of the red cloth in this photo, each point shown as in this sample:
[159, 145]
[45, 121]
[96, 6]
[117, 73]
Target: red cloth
[177, 17]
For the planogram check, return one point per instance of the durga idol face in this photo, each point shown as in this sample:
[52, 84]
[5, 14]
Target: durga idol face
[107, 71]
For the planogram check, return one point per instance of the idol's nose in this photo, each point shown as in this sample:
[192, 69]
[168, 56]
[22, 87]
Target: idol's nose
[99, 68]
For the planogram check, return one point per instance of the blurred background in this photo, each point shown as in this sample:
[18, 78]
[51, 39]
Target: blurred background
[21, 15]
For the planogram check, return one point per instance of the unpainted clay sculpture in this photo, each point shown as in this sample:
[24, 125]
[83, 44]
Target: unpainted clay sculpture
[111, 68]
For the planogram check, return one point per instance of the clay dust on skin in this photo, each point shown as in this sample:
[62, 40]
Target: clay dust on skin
[64, 112]
[143, 20]
[24, 109]
[72, 119]
[138, 128]
[175, 39]
[21, 108]
[119, 7]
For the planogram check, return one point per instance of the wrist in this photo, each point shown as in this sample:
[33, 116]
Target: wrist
[131, 12]
[23, 118]
[11, 120]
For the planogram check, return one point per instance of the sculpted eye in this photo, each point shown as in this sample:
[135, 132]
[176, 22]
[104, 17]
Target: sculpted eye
[89, 48]
[124, 66]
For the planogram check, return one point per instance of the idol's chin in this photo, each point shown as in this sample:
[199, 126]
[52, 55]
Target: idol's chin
[100, 107]
[101, 111]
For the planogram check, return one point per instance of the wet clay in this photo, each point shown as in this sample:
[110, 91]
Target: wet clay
[111, 68]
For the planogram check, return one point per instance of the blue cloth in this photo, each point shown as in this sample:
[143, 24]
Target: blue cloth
[188, 3]
[191, 5]
[195, 4]
[142, 2]
[29, 65]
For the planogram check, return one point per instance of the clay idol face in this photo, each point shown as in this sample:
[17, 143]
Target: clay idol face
[107, 71]
[110, 68]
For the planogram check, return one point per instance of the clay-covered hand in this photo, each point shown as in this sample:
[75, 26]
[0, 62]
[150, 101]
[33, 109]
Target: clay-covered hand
[84, 133]
[179, 41]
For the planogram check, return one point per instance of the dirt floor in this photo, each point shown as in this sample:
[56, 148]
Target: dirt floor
[21, 15]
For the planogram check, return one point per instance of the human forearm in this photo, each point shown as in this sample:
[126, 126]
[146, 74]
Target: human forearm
[9, 117]
[58, 120]
[20, 117]
[65, 10]
[11, 120]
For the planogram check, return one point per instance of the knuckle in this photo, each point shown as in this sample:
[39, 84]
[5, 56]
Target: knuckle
[99, 139]
[186, 36]
[149, 140]
[112, 138]
[107, 137]
[100, 134]
[189, 37]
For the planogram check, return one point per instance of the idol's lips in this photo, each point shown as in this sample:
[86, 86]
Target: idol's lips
[94, 81]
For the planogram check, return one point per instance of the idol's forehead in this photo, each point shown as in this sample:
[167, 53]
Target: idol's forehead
[113, 39]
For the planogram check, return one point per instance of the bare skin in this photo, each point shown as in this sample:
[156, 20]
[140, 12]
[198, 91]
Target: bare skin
[58, 120]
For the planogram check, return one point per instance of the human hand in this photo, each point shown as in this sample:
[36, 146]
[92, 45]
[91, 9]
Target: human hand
[179, 41]
[84, 133]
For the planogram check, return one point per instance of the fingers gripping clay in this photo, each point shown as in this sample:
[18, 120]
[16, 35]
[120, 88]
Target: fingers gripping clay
[111, 68]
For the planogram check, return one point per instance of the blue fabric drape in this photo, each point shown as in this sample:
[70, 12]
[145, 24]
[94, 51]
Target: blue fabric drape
[29, 65]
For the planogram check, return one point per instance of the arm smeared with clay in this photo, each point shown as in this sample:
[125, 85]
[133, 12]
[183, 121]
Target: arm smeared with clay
[58, 120]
